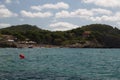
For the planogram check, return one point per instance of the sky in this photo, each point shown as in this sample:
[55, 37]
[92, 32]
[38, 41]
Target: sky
[59, 15]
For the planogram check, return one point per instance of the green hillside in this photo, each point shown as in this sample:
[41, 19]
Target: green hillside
[94, 35]
[105, 34]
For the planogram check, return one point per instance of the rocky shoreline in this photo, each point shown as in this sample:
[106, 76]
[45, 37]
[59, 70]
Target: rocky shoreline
[87, 44]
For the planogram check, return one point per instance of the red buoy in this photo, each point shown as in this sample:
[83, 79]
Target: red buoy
[21, 56]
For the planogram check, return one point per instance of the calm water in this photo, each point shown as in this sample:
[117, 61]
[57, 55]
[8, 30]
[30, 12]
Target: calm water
[60, 64]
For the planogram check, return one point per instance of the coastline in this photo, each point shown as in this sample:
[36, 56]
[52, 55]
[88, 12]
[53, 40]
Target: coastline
[15, 45]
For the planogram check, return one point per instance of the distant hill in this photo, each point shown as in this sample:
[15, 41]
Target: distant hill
[20, 28]
[105, 34]
[94, 35]
[102, 28]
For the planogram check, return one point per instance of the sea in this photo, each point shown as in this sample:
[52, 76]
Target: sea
[60, 64]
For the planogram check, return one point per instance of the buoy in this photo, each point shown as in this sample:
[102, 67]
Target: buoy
[21, 56]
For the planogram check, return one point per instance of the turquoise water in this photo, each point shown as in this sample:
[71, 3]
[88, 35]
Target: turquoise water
[60, 64]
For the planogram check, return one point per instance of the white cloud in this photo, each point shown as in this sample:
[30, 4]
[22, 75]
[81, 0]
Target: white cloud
[83, 13]
[110, 18]
[63, 14]
[4, 12]
[95, 14]
[8, 1]
[104, 3]
[12, 1]
[35, 14]
[3, 25]
[101, 11]
[59, 5]
[62, 26]
[104, 18]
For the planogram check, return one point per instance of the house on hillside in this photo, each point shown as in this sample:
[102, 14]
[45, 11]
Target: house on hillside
[8, 38]
[86, 33]
[26, 43]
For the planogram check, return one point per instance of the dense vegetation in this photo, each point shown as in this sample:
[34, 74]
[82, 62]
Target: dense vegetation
[101, 34]
[105, 34]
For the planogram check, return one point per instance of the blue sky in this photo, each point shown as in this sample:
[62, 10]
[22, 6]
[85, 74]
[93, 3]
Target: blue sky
[59, 14]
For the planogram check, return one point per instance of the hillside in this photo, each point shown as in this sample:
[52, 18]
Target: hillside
[94, 35]
[105, 34]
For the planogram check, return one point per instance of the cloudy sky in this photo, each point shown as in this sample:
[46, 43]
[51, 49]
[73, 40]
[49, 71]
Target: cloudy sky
[59, 14]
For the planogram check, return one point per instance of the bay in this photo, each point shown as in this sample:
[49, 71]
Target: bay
[59, 64]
